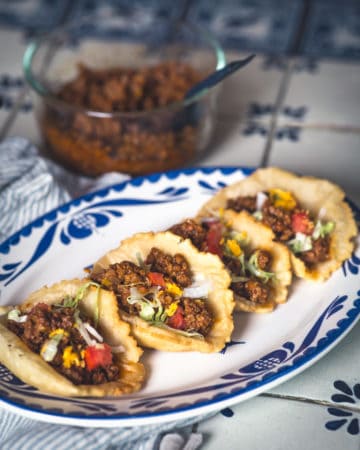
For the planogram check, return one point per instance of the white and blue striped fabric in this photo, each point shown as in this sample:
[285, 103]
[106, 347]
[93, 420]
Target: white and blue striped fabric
[30, 186]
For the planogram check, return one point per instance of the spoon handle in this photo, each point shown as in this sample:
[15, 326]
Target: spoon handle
[218, 76]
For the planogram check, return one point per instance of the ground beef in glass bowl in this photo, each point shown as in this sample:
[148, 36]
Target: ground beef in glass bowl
[109, 94]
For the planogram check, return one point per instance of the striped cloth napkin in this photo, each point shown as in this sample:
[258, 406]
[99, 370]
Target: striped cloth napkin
[31, 186]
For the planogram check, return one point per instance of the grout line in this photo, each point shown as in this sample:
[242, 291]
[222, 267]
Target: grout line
[299, 35]
[284, 85]
[311, 401]
[323, 126]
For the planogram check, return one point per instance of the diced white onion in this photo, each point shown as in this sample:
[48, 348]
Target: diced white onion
[260, 200]
[200, 288]
[304, 241]
[134, 296]
[209, 219]
[14, 315]
[84, 333]
[118, 349]
[93, 332]
[322, 213]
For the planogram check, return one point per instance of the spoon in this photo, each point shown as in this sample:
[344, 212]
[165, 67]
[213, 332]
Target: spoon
[217, 76]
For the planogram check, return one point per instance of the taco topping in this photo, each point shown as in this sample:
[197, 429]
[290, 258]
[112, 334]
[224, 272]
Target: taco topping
[249, 269]
[66, 339]
[306, 236]
[161, 290]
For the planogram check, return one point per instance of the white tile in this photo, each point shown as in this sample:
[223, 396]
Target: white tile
[324, 379]
[322, 153]
[264, 423]
[12, 47]
[25, 125]
[329, 93]
[251, 92]
[231, 147]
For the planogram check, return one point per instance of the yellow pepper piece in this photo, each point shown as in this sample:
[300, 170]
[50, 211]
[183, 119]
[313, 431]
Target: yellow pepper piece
[282, 199]
[171, 310]
[105, 282]
[70, 358]
[58, 331]
[172, 288]
[221, 212]
[234, 247]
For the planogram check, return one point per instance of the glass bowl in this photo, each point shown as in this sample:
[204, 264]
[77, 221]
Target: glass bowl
[138, 124]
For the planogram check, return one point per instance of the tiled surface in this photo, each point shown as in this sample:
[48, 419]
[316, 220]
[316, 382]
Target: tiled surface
[327, 93]
[320, 152]
[250, 94]
[32, 15]
[157, 8]
[331, 373]
[250, 25]
[231, 146]
[305, 112]
[332, 29]
[265, 423]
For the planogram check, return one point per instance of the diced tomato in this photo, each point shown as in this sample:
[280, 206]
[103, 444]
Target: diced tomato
[98, 355]
[177, 320]
[301, 223]
[213, 238]
[156, 279]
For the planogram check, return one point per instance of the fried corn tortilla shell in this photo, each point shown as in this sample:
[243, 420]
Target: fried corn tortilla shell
[313, 194]
[261, 237]
[220, 297]
[33, 370]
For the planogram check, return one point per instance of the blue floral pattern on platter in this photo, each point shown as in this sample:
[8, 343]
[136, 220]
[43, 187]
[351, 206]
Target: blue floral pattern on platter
[78, 221]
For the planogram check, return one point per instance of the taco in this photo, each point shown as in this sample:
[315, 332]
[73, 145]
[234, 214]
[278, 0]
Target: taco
[174, 297]
[68, 340]
[259, 268]
[309, 215]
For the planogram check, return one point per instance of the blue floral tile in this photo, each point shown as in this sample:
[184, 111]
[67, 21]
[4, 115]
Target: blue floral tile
[328, 92]
[250, 94]
[259, 25]
[333, 29]
[232, 147]
[145, 8]
[281, 424]
[337, 378]
[39, 15]
[341, 417]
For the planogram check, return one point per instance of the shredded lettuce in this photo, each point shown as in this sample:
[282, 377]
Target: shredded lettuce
[50, 347]
[150, 309]
[73, 302]
[300, 243]
[252, 266]
[258, 215]
[175, 330]
[321, 230]
[238, 279]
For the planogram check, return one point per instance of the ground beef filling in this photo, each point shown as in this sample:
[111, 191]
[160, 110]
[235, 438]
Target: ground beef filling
[34, 332]
[189, 229]
[281, 222]
[253, 289]
[191, 315]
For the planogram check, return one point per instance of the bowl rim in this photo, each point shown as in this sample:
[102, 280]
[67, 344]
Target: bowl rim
[39, 88]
